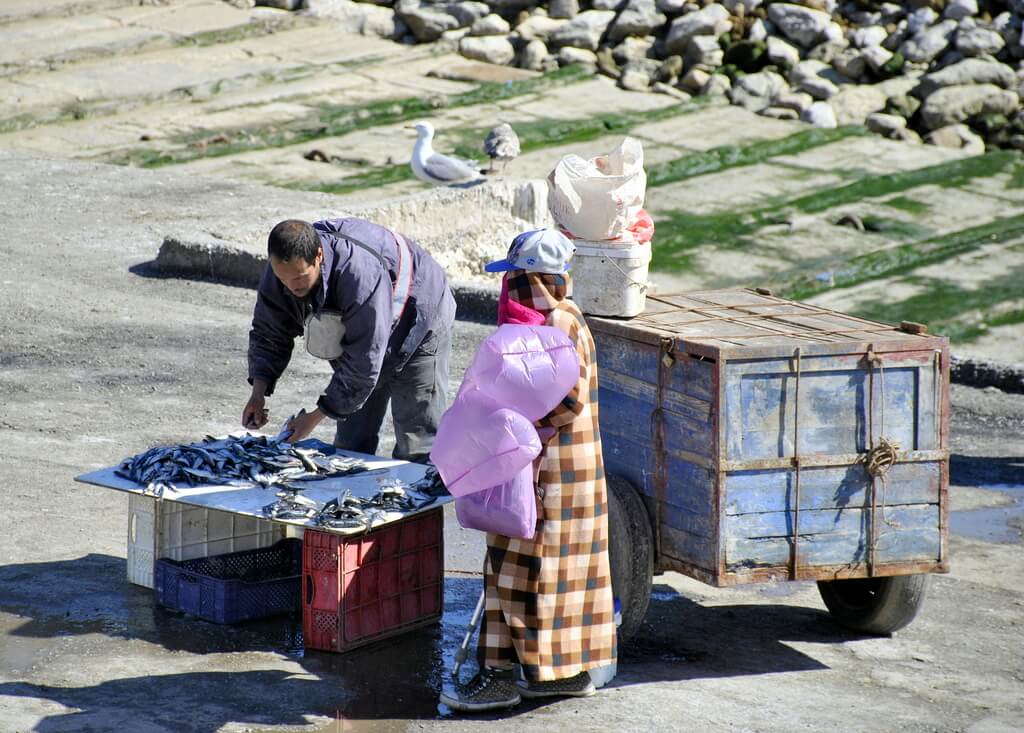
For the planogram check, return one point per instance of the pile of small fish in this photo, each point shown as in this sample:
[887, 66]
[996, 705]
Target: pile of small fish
[353, 512]
[234, 460]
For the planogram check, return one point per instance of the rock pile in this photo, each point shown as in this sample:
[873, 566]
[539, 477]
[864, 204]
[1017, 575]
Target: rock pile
[946, 71]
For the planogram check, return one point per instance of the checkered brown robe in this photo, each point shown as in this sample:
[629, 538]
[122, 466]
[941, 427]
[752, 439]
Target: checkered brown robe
[549, 600]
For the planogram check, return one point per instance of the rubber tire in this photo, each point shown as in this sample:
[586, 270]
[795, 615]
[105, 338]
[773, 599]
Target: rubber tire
[875, 605]
[630, 553]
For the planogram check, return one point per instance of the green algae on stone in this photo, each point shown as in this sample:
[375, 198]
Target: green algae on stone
[336, 120]
[962, 314]
[906, 258]
[551, 132]
[894, 228]
[733, 156]
[905, 203]
[240, 32]
[533, 135]
[679, 232]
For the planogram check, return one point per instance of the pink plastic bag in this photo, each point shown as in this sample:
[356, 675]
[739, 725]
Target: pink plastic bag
[508, 509]
[642, 227]
[479, 443]
[526, 368]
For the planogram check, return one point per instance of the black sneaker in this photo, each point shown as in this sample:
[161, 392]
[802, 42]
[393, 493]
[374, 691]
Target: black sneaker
[491, 689]
[579, 686]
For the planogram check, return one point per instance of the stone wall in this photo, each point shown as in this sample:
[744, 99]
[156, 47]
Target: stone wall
[946, 72]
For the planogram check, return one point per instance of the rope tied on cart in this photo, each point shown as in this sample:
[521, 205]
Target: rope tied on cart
[882, 453]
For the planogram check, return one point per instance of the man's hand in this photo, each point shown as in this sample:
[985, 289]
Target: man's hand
[303, 424]
[255, 414]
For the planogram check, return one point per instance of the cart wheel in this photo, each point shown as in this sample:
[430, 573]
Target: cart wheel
[630, 553]
[874, 605]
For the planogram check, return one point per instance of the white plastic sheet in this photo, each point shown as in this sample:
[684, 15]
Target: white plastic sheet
[598, 199]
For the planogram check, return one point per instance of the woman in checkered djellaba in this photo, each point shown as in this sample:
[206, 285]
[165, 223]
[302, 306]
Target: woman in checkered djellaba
[549, 603]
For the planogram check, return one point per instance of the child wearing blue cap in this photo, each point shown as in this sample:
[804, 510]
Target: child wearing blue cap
[549, 605]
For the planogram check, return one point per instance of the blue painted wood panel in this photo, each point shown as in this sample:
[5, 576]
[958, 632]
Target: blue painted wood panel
[751, 523]
[904, 533]
[688, 376]
[694, 549]
[829, 487]
[689, 486]
[833, 416]
[632, 417]
[918, 545]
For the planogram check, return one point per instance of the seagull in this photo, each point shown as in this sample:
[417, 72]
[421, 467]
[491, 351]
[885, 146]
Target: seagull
[440, 170]
[502, 144]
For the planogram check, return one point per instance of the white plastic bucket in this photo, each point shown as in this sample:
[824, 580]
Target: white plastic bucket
[610, 279]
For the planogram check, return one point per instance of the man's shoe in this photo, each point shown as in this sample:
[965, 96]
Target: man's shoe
[579, 686]
[491, 689]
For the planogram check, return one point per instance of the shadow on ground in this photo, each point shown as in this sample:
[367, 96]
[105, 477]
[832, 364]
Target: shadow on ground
[395, 679]
[986, 470]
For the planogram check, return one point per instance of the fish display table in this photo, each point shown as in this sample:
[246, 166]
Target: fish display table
[359, 583]
[250, 499]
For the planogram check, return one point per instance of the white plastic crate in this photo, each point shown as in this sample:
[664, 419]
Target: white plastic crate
[169, 529]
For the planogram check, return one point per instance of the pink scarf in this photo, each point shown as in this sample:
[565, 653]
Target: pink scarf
[511, 311]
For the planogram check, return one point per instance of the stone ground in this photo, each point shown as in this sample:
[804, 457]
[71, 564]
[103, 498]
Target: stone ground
[293, 101]
[102, 359]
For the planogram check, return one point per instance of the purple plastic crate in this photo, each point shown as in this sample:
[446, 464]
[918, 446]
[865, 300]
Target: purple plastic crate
[238, 586]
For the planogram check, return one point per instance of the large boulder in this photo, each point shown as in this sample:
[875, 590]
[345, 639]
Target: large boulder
[638, 18]
[563, 8]
[954, 104]
[757, 91]
[960, 9]
[925, 45]
[490, 25]
[365, 18]
[583, 31]
[816, 78]
[979, 41]
[538, 28]
[804, 26]
[820, 114]
[872, 35]
[853, 104]
[712, 20]
[533, 55]
[968, 71]
[782, 53]
[428, 21]
[704, 51]
[492, 49]
[960, 137]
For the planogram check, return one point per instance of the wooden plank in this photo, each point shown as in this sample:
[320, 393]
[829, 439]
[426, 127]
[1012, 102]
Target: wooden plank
[918, 545]
[775, 573]
[835, 459]
[617, 383]
[699, 552]
[829, 487]
[849, 520]
[833, 416]
[700, 523]
[690, 485]
[689, 376]
[855, 361]
[628, 416]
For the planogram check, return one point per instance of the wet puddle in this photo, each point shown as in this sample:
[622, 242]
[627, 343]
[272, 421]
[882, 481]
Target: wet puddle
[1002, 524]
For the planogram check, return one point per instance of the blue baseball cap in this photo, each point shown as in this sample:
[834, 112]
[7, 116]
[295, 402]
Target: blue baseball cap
[539, 250]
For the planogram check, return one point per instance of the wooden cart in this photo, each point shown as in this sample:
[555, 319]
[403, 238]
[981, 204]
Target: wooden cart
[748, 438]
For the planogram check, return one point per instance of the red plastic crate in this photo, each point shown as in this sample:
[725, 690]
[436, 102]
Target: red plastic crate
[360, 589]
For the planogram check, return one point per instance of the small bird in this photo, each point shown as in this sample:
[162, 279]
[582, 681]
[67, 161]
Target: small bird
[440, 170]
[502, 144]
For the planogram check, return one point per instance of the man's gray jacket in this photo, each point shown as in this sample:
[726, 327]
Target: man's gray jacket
[357, 284]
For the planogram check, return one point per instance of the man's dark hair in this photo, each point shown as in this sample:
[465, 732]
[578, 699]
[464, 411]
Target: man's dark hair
[293, 238]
